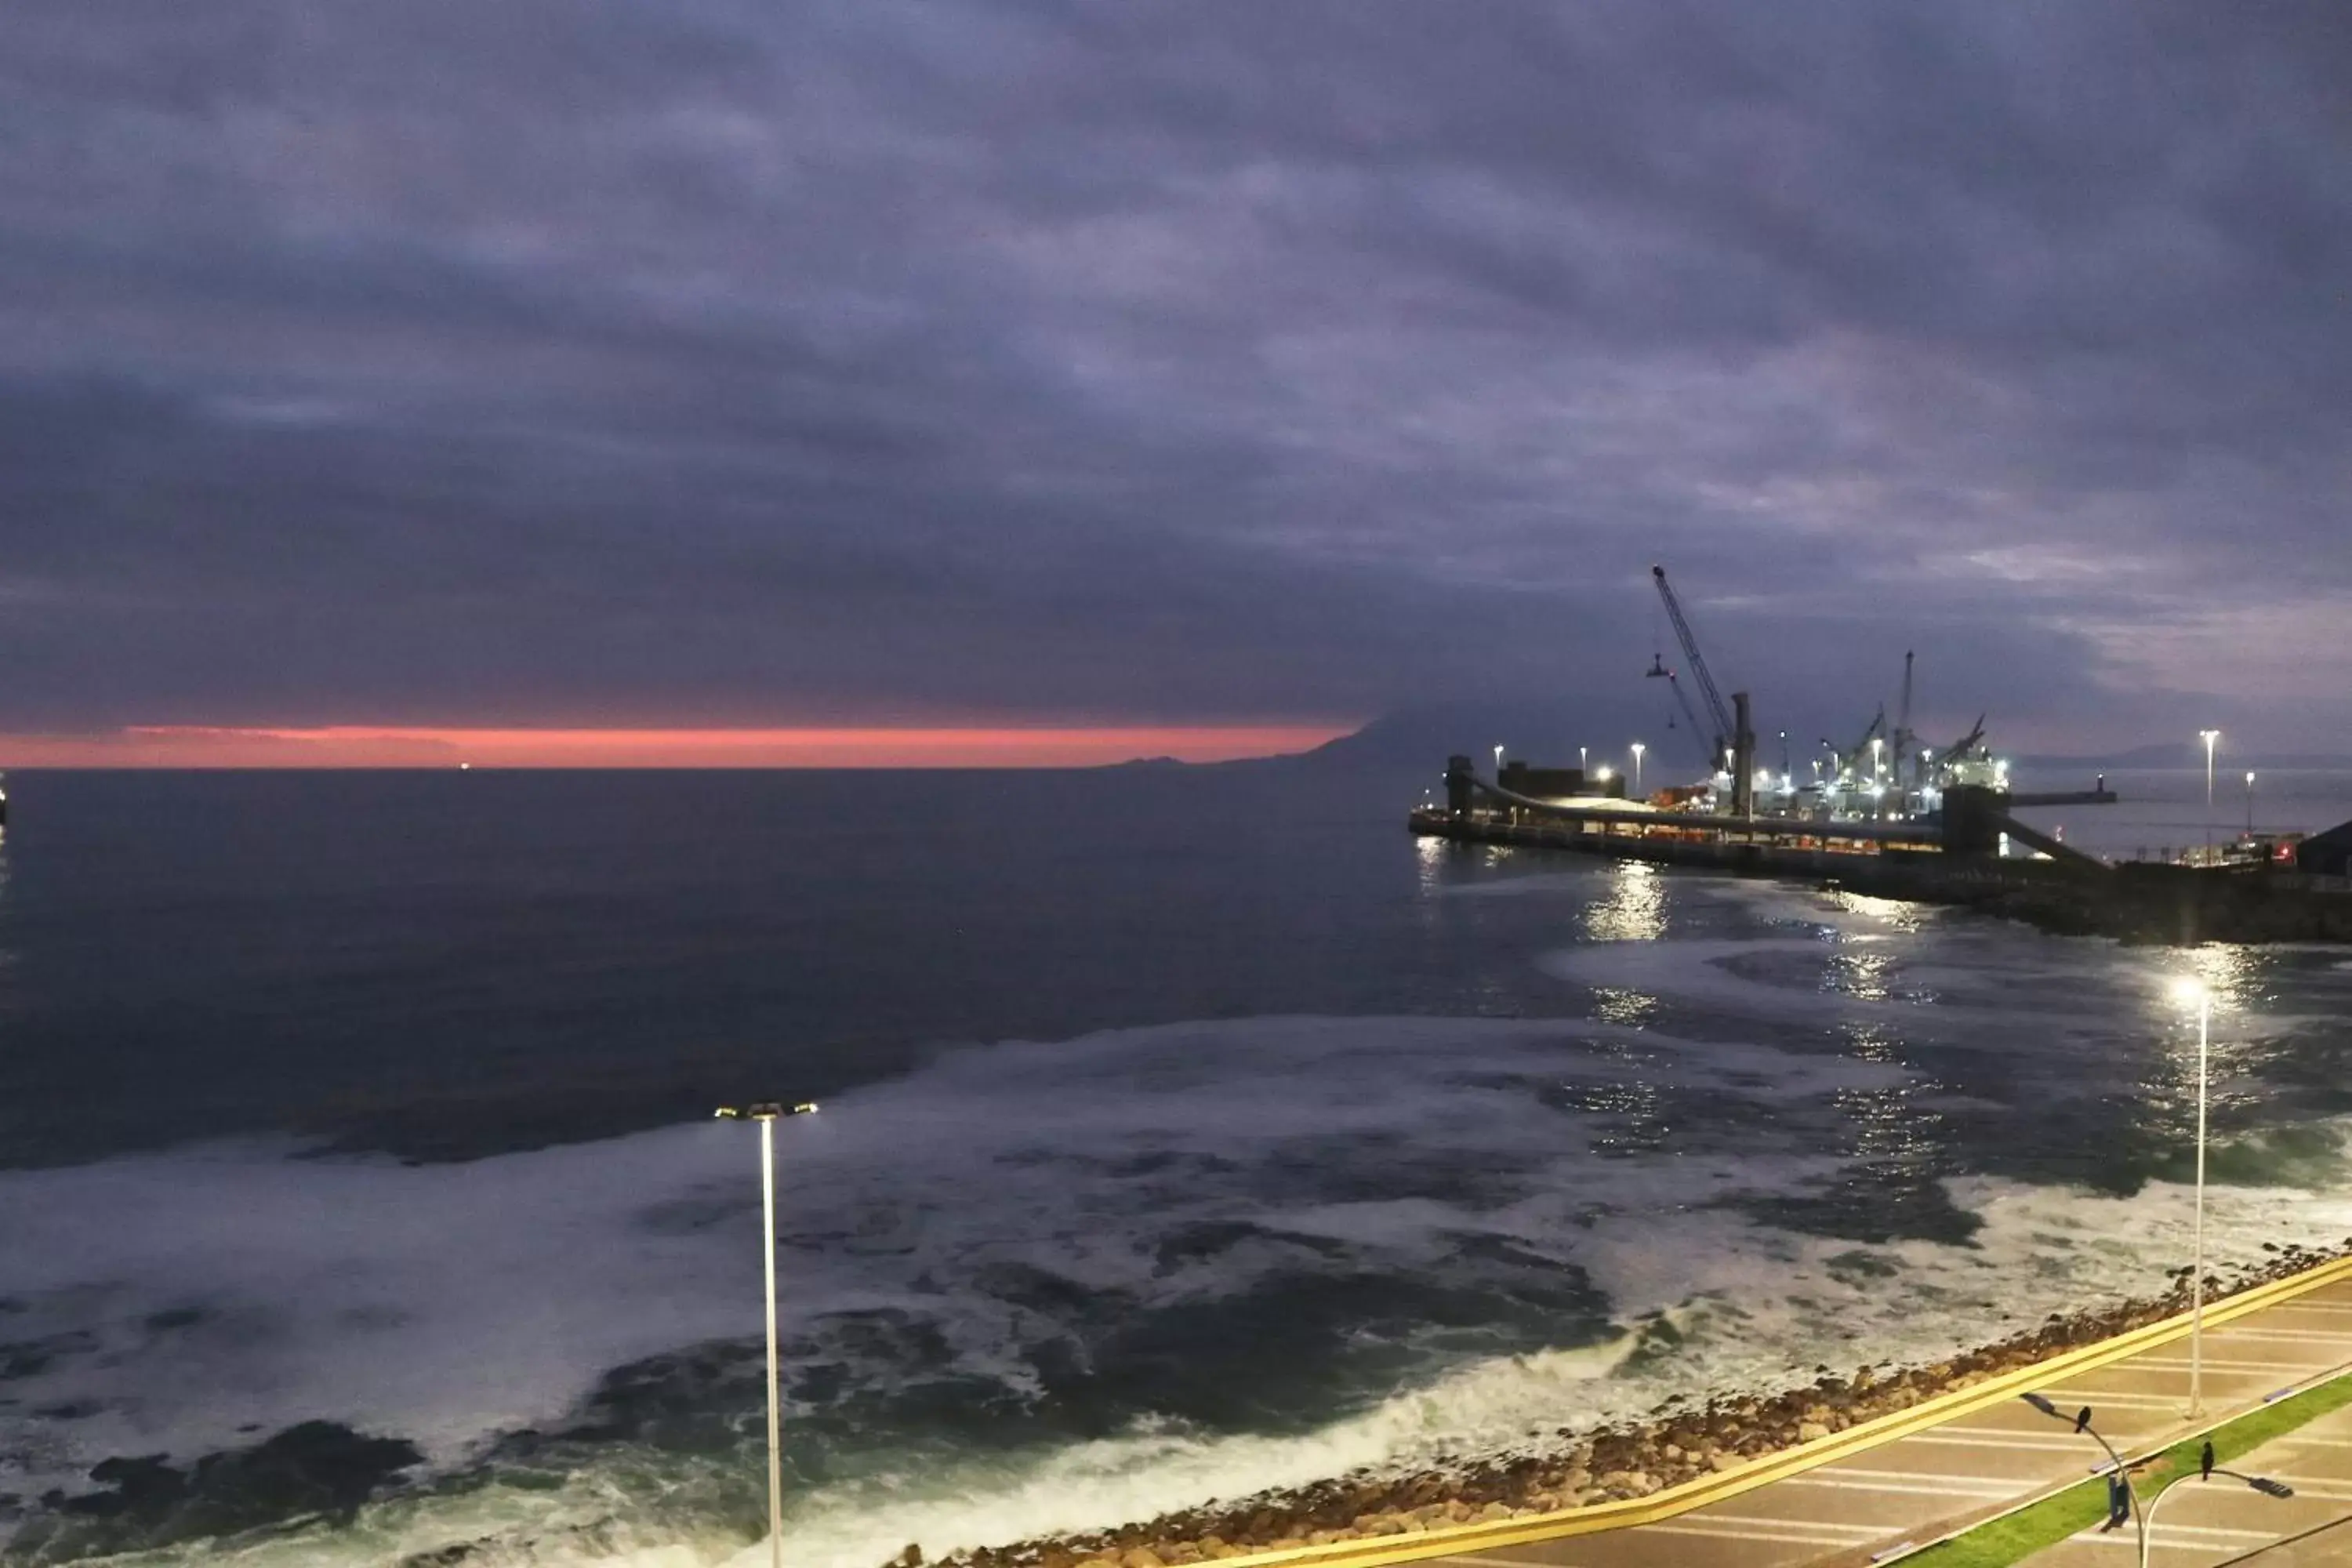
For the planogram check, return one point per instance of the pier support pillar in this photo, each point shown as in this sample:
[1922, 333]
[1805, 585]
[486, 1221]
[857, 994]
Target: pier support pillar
[1457, 786]
[1743, 758]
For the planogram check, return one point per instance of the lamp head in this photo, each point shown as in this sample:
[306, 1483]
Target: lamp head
[763, 1111]
[2270, 1487]
[2040, 1402]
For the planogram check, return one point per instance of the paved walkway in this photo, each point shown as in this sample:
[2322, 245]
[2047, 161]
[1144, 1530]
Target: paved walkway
[1869, 1508]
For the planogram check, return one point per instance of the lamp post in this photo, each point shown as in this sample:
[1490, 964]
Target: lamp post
[1638, 749]
[2081, 1422]
[2186, 991]
[765, 1113]
[2263, 1484]
[1498, 764]
[2208, 737]
[2250, 804]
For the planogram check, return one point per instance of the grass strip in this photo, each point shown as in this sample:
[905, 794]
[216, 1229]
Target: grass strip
[2054, 1519]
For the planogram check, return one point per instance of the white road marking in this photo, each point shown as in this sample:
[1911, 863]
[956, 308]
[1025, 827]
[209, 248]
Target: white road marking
[1790, 1533]
[1939, 1477]
[1953, 1440]
[2168, 1535]
[1966, 1490]
[2095, 1397]
[2285, 1336]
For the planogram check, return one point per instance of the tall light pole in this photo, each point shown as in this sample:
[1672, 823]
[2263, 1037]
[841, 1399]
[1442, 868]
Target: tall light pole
[1498, 764]
[2261, 1484]
[2186, 991]
[2081, 1422]
[1638, 749]
[2250, 804]
[2208, 737]
[765, 1113]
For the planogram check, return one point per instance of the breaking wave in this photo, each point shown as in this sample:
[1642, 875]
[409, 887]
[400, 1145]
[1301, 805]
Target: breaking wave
[1046, 1286]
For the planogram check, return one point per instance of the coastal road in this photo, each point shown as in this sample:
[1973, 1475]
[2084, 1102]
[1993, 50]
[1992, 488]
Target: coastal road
[2202, 1526]
[1871, 1507]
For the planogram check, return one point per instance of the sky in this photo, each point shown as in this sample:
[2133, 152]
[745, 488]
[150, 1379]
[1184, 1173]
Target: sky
[1193, 378]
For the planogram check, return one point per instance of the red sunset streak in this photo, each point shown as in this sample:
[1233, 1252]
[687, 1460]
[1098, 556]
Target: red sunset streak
[374, 746]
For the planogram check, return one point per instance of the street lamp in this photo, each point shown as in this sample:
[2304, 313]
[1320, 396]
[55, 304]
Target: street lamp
[1638, 749]
[2208, 737]
[2081, 1422]
[1498, 764]
[2250, 804]
[2186, 991]
[765, 1113]
[2263, 1484]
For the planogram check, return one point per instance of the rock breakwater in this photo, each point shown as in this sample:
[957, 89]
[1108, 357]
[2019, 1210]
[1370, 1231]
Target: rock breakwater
[1682, 1441]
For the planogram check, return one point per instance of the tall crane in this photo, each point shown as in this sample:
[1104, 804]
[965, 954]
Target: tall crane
[1732, 733]
[1847, 761]
[1716, 706]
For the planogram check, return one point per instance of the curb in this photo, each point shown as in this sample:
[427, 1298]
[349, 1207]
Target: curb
[1374, 1552]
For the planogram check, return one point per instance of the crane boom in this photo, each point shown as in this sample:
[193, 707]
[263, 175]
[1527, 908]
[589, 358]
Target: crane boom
[1724, 728]
[1697, 728]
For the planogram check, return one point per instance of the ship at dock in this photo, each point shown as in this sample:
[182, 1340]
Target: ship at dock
[1882, 815]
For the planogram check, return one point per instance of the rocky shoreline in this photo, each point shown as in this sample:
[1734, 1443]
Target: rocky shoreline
[1677, 1443]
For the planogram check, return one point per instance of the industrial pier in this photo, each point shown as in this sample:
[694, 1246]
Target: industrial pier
[1922, 823]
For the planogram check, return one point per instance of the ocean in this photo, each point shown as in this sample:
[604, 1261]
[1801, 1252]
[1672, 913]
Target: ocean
[1185, 1132]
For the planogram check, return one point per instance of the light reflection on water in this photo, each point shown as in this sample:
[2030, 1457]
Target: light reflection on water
[1634, 908]
[1615, 1005]
[1899, 914]
[1859, 972]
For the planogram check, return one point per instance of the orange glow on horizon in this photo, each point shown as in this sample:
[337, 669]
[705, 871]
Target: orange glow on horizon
[386, 746]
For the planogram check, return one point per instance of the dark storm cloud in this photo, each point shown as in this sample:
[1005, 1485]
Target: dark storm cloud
[733, 362]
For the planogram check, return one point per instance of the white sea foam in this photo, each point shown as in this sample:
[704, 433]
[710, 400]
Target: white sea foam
[447, 1303]
[444, 1302]
[1752, 1307]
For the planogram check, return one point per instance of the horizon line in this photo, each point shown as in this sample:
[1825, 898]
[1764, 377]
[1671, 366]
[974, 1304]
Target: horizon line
[361, 746]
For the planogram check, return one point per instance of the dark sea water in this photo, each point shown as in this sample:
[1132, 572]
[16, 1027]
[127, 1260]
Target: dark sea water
[1185, 1132]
